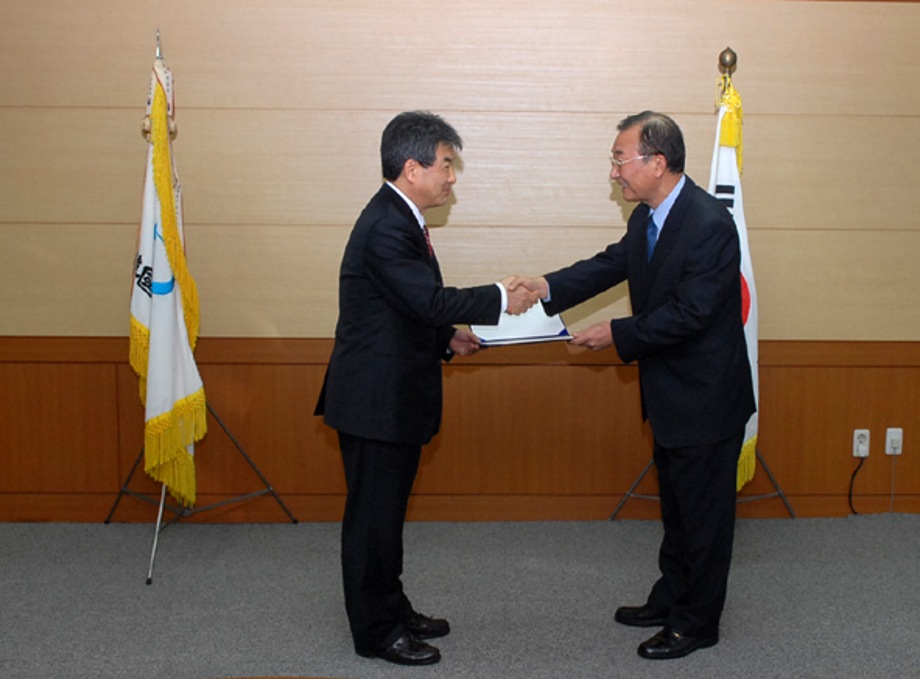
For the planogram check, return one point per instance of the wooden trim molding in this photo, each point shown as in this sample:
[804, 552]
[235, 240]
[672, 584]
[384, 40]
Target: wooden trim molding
[315, 351]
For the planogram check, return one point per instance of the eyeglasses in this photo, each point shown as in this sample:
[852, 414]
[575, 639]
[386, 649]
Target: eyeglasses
[618, 164]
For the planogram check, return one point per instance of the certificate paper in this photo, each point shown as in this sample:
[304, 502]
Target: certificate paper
[531, 326]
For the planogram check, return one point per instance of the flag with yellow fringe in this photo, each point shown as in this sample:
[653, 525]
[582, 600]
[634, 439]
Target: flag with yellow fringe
[725, 184]
[165, 312]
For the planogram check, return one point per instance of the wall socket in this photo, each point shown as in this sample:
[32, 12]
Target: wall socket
[860, 443]
[894, 438]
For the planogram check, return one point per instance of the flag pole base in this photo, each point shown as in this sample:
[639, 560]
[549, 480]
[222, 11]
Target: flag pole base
[184, 512]
[156, 534]
[777, 491]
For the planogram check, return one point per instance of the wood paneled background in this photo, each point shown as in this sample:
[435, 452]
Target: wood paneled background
[280, 105]
[531, 432]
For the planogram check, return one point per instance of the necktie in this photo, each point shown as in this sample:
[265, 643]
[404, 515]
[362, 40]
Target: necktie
[651, 233]
[428, 240]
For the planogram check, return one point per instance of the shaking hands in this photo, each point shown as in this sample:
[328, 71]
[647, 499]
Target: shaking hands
[524, 292]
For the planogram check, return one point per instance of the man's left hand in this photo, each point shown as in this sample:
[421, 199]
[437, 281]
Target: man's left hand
[596, 337]
[464, 343]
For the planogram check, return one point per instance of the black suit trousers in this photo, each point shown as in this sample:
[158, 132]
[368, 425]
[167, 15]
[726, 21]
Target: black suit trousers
[379, 477]
[697, 486]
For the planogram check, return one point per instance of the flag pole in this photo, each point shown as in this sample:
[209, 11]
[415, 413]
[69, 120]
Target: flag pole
[156, 534]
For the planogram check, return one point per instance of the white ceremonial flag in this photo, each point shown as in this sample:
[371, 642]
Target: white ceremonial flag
[165, 313]
[725, 184]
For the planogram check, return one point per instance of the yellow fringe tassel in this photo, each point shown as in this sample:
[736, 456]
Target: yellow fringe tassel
[167, 437]
[747, 462]
[165, 440]
[138, 355]
[731, 121]
[163, 180]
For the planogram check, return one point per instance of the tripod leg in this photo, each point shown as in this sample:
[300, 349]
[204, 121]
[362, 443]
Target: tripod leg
[779, 491]
[156, 534]
[252, 464]
[631, 489]
[124, 486]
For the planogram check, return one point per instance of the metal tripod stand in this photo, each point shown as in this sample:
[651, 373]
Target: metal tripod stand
[778, 492]
[182, 512]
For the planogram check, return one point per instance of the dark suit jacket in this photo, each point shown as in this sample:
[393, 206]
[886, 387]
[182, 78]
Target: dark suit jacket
[395, 321]
[686, 329]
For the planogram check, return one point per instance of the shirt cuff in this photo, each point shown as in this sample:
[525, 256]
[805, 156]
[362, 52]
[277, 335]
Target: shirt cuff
[504, 297]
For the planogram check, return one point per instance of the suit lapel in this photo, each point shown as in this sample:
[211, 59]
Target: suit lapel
[413, 226]
[668, 238]
[670, 230]
[640, 282]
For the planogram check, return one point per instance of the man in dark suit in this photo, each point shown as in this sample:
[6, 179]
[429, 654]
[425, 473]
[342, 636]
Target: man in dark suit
[382, 391]
[680, 256]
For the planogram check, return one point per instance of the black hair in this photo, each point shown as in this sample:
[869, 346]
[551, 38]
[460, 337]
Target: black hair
[659, 134]
[414, 135]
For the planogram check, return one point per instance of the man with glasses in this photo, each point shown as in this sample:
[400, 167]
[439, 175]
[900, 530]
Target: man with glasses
[680, 257]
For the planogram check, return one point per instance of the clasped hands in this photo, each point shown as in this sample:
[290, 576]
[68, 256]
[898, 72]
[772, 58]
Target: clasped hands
[524, 292]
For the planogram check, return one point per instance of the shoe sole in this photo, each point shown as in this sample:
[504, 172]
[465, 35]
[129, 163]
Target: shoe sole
[650, 623]
[401, 661]
[708, 643]
[641, 622]
[428, 635]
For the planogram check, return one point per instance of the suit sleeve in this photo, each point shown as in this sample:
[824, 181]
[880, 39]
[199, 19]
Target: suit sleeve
[409, 283]
[585, 279]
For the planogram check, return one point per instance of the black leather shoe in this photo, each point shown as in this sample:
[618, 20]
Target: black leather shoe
[671, 643]
[641, 616]
[407, 650]
[422, 627]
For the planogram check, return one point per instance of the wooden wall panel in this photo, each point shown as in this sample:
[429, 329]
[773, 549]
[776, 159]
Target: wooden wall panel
[812, 433]
[59, 430]
[280, 106]
[523, 431]
[538, 432]
[807, 173]
[66, 279]
[278, 168]
[268, 410]
[521, 55]
[284, 285]
[845, 285]
[71, 166]
[841, 284]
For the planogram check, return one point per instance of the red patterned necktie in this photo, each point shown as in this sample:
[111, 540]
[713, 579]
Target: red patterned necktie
[428, 240]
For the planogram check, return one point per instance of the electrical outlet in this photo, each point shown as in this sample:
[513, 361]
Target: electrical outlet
[860, 443]
[894, 438]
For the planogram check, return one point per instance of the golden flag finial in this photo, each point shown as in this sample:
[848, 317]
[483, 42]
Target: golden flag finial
[730, 134]
[728, 62]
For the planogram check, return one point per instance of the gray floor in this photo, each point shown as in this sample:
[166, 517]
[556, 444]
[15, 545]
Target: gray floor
[808, 598]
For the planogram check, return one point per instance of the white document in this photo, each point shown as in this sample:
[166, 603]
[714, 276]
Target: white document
[531, 326]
